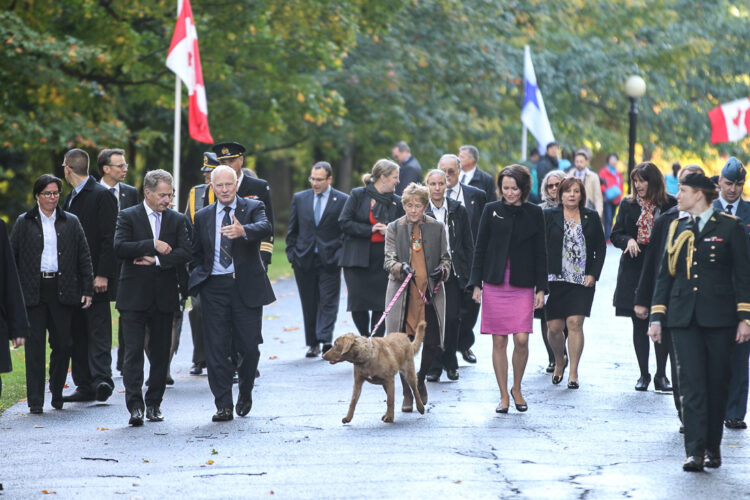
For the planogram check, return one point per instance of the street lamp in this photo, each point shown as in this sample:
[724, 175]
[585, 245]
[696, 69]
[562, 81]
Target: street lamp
[635, 87]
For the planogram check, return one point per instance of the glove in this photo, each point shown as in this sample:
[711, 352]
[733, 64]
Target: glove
[406, 270]
[438, 274]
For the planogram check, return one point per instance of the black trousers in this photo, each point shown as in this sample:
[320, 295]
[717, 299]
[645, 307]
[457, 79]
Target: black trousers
[92, 346]
[229, 326]
[666, 340]
[319, 288]
[50, 315]
[134, 326]
[453, 294]
[469, 314]
[196, 327]
[703, 356]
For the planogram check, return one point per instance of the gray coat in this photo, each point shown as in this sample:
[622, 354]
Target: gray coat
[398, 250]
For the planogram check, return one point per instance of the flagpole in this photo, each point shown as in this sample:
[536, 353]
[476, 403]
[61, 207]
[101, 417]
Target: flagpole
[523, 144]
[177, 124]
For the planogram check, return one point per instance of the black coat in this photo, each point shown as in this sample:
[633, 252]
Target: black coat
[546, 164]
[460, 239]
[593, 234]
[651, 260]
[255, 288]
[143, 287]
[484, 181]
[73, 260]
[303, 235]
[355, 223]
[410, 171]
[128, 198]
[13, 321]
[623, 229]
[474, 201]
[494, 246]
[96, 209]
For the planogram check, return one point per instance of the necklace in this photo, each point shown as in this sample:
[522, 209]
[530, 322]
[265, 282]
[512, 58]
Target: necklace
[416, 240]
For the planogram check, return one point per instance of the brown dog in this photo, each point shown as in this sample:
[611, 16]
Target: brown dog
[377, 360]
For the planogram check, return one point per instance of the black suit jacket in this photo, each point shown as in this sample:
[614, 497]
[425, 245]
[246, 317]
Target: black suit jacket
[526, 248]
[96, 209]
[460, 238]
[128, 196]
[484, 181]
[474, 201]
[593, 235]
[410, 171]
[253, 282]
[143, 287]
[303, 235]
[13, 321]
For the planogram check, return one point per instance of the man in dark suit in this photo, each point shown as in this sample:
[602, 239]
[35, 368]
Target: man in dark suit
[152, 241]
[473, 200]
[233, 155]
[410, 171]
[472, 175]
[96, 209]
[731, 184]
[233, 287]
[113, 168]
[313, 247]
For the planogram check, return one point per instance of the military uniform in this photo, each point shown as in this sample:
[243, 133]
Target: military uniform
[702, 292]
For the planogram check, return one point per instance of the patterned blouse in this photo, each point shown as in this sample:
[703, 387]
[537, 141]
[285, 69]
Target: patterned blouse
[573, 255]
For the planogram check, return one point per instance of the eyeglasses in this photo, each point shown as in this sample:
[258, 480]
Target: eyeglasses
[550, 186]
[121, 165]
[50, 194]
[317, 179]
[450, 170]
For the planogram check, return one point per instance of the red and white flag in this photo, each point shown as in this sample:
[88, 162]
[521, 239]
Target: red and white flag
[185, 61]
[730, 122]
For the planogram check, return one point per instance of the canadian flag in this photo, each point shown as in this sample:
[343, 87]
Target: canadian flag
[185, 61]
[730, 122]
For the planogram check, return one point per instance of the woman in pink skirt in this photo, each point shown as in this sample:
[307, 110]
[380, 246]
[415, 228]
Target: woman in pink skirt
[509, 275]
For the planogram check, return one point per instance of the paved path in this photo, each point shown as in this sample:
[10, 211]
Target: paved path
[602, 441]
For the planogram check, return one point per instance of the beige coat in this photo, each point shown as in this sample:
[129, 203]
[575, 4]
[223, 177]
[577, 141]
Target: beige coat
[398, 250]
[593, 187]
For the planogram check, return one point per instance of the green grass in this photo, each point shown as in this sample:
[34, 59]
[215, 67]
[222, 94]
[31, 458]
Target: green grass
[280, 267]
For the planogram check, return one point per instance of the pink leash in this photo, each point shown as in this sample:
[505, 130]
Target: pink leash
[398, 293]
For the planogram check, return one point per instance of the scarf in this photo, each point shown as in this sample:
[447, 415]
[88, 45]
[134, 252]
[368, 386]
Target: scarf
[645, 221]
[383, 203]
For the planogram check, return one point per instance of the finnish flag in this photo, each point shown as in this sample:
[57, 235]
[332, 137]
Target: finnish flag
[533, 113]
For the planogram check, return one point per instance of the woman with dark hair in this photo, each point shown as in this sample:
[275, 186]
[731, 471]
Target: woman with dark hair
[364, 220]
[509, 274]
[54, 266]
[631, 232]
[575, 255]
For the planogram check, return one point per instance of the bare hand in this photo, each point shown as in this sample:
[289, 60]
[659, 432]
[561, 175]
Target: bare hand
[86, 302]
[162, 247]
[233, 230]
[743, 332]
[641, 312]
[539, 299]
[146, 260]
[18, 342]
[477, 295]
[633, 249]
[100, 284]
[589, 281]
[654, 331]
[379, 227]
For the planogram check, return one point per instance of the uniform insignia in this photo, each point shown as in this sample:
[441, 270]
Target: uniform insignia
[268, 188]
[334, 198]
[713, 238]
[225, 151]
[251, 197]
[728, 215]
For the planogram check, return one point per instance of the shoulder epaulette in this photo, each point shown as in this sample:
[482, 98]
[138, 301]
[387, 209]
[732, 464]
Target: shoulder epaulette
[728, 215]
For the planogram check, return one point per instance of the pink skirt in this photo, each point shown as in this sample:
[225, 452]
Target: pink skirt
[507, 309]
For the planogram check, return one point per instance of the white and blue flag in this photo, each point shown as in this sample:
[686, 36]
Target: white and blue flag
[533, 113]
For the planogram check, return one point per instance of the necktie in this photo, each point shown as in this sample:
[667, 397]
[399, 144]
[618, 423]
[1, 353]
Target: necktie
[157, 224]
[729, 209]
[463, 178]
[696, 226]
[449, 193]
[317, 209]
[225, 253]
[114, 193]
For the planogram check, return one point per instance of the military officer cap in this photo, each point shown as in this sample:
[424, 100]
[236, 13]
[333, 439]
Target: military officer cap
[210, 161]
[698, 181]
[733, 171]
[225, 150]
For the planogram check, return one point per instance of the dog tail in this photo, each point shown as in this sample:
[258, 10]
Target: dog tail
[418, 338]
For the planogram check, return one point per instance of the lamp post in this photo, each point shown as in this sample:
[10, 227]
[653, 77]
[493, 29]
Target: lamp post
[635, 87]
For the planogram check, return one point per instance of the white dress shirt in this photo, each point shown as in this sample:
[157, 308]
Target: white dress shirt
[456, 193]
[217, 267]
[441, 215]
[152, 223]
[49, 253]
[467, 175]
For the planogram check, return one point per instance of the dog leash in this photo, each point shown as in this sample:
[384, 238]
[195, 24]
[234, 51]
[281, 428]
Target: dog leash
[393, 301]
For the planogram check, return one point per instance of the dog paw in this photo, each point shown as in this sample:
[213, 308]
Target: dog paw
[346, 420]
[420, 408]
[387, 418]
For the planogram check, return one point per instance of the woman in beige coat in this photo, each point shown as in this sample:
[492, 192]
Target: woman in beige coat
[416, 244]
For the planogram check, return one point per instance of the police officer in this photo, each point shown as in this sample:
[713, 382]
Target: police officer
[703, 295]
[731, 184]
[233, 155]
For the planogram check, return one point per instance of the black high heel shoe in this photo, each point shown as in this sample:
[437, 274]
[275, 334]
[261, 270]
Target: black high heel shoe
[519, 407]
[556, 379]
[501, 409]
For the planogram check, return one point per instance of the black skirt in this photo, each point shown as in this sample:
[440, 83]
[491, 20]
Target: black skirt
[366, 286]
[568, 299]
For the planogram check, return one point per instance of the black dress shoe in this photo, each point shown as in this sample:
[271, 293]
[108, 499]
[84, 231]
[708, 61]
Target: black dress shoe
[433, 376]
[244, 405]
[57, 402]
[196, 369]
[468, 356]
[452, 374]
[169, 381]
[642, 384]
[136, 417]
[735, 423]
[550, 367]
[662, 384]
[78, 396]
[682, 429]
[103, 391]
[313, 351]
[153, 414]
[712, 459]
[223, 415]
[36, 410]
[326, 348]
[693, 464]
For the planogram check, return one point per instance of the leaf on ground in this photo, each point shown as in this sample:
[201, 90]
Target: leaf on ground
[214, 452]
[122, 391]
[272, 316]
[271, 492]
[38, 427]
[49, 492]
[66, 386]
[290, 328]
[210, 462]
[273, 357]
[102, 429]
[146, 460]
